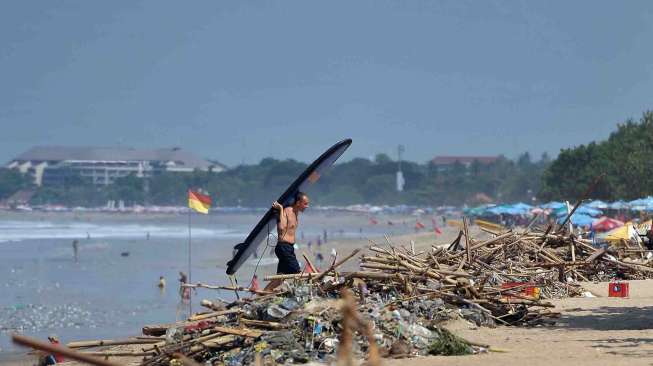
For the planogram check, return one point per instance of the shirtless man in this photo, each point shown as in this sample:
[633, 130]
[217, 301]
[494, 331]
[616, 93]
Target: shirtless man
[286, 230]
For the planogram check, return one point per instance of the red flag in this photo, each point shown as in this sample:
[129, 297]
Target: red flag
[419, 225]
[255, 285]
[308, 268]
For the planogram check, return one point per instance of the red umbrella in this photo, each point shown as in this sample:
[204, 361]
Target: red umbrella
[606, 224]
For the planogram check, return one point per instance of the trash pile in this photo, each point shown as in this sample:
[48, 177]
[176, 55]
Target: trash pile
[554, 261]
[394, 306]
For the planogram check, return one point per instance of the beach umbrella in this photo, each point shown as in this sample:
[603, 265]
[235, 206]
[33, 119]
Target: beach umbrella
[648, 201]
[638, 207]
[584, 210]
[619, 205]
[553, 205]
[598, 204]
[523, 206]
[606, 224]
[578, 219]
[625, 232]
[498, 210]
[478, 210]
[510, 209]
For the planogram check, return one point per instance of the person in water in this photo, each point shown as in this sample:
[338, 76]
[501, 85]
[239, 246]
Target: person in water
[287, 223]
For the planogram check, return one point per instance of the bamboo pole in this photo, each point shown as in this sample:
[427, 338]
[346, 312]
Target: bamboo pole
[108, 342]
[64, 351]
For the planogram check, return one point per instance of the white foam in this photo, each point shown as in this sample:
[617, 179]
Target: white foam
[24, 230]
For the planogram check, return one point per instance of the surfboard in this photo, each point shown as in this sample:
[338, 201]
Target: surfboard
[268, 223]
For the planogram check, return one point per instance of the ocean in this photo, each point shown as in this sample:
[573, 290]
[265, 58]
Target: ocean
[111, 291]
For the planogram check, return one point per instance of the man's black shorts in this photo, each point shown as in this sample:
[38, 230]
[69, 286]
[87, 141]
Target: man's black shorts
[287, 261]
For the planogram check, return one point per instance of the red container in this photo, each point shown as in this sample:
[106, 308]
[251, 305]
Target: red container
[528, 289]
[618, 289]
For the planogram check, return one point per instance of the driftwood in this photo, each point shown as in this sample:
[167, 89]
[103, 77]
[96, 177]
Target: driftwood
[230, 288]
[64, 351]
[106, 342]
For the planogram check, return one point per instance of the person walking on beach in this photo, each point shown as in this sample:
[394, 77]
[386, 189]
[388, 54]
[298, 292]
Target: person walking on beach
[76, 250]
[184, 292]
[287, 223]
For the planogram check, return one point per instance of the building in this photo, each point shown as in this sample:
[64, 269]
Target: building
[444, 163]
[54, 165]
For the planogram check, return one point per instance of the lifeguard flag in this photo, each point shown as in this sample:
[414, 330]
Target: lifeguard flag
[199, 202]
[254, 286]
[309, 268]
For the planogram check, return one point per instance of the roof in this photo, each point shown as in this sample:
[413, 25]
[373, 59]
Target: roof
[81, 153]
[448, 160]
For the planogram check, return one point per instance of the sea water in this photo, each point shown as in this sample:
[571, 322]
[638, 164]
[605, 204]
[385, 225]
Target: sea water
[111, 291]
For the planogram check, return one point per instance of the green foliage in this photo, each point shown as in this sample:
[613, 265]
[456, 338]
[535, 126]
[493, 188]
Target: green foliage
[353, 182]
[11, 181]
[448, 344]
[623, 158]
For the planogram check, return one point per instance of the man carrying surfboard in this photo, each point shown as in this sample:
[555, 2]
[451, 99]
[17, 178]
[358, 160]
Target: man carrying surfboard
[286, 230]
[261, 232]
[287, 222]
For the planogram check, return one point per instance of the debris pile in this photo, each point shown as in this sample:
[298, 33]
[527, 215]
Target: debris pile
[394, 306]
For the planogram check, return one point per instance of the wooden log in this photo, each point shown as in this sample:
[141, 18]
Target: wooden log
[108, 342]
[120, 354]
[467, 240]
[553, 265]
[251, 333]
[214, 314]
[295, 276]
[64, 351]
[527, 302]
[337, 264]
[485, 243]
[263, 324]
[230, 288]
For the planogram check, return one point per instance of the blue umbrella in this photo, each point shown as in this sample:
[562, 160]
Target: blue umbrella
[648, 201]
[619, 205]
[479, 210]
[584, 210]
[598, 204]
[578, 219]
[516, 209]
[523, 206]
[553, 205]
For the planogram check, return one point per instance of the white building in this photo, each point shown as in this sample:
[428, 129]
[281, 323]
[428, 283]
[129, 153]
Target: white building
[53, 165]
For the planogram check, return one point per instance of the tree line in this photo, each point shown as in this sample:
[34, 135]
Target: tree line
[352, 182]
[623, 157]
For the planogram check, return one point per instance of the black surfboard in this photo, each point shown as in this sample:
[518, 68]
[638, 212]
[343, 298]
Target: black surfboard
[268, 223]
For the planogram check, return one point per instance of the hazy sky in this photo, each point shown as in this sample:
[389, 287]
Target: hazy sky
[243, 80]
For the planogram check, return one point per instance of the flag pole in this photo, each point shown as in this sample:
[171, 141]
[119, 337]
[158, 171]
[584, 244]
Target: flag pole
[190, 292]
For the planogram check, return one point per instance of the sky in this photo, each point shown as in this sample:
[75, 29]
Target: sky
[243, 80]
